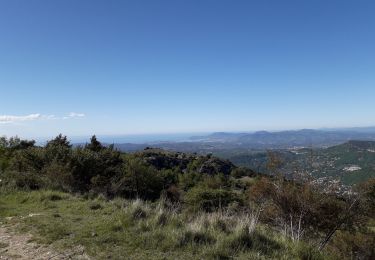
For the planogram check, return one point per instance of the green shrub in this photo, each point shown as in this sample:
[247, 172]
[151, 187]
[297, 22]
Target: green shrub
[241, 172]
[360, 245]
[59, 176]
[206, 199]
[95, 170]
[23, 180]
[138, 180]
[188, 180]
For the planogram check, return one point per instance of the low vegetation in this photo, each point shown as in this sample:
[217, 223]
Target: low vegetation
[162, 205]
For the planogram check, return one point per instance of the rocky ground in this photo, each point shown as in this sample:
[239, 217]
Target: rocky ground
[22, 246]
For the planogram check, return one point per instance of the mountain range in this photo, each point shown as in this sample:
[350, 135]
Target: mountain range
[220, 142]
[347, 155]
[284, 139]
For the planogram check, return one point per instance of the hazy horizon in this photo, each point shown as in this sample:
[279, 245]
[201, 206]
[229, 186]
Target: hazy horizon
[171, 137]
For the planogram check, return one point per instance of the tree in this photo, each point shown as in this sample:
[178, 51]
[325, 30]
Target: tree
[94, 144]
[138, 181]
[95, 170]
[59, 140]
[58, 149]
[15, 143]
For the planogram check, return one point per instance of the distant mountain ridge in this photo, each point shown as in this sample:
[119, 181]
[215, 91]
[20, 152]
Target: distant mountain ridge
[290, 138]
[224, 142]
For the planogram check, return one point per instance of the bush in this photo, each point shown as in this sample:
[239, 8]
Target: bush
[138, 181]
[356, 244]
[173, 194]
[59, 176]
[242, 172]
[31, 159]
[23, 180]
[95, 171]
[188, 180]
[207, 199]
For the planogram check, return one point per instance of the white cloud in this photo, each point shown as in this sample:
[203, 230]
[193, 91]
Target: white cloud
[32, 117]
[11, 119]
[73, 114]
[49, 117]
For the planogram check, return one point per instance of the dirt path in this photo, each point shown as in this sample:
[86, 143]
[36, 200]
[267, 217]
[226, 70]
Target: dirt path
[20, 246]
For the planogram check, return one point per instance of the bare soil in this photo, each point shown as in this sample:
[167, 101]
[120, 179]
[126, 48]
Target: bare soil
[22, 246]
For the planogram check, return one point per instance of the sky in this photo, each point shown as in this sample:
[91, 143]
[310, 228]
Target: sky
[147, 67]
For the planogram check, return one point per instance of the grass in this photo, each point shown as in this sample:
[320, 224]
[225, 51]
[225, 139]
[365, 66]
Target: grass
[119, 229]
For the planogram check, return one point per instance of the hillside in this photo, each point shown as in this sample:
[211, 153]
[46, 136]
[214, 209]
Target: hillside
[352, 162]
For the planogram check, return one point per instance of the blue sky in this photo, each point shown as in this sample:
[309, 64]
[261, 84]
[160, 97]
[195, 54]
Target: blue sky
[135, 67]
